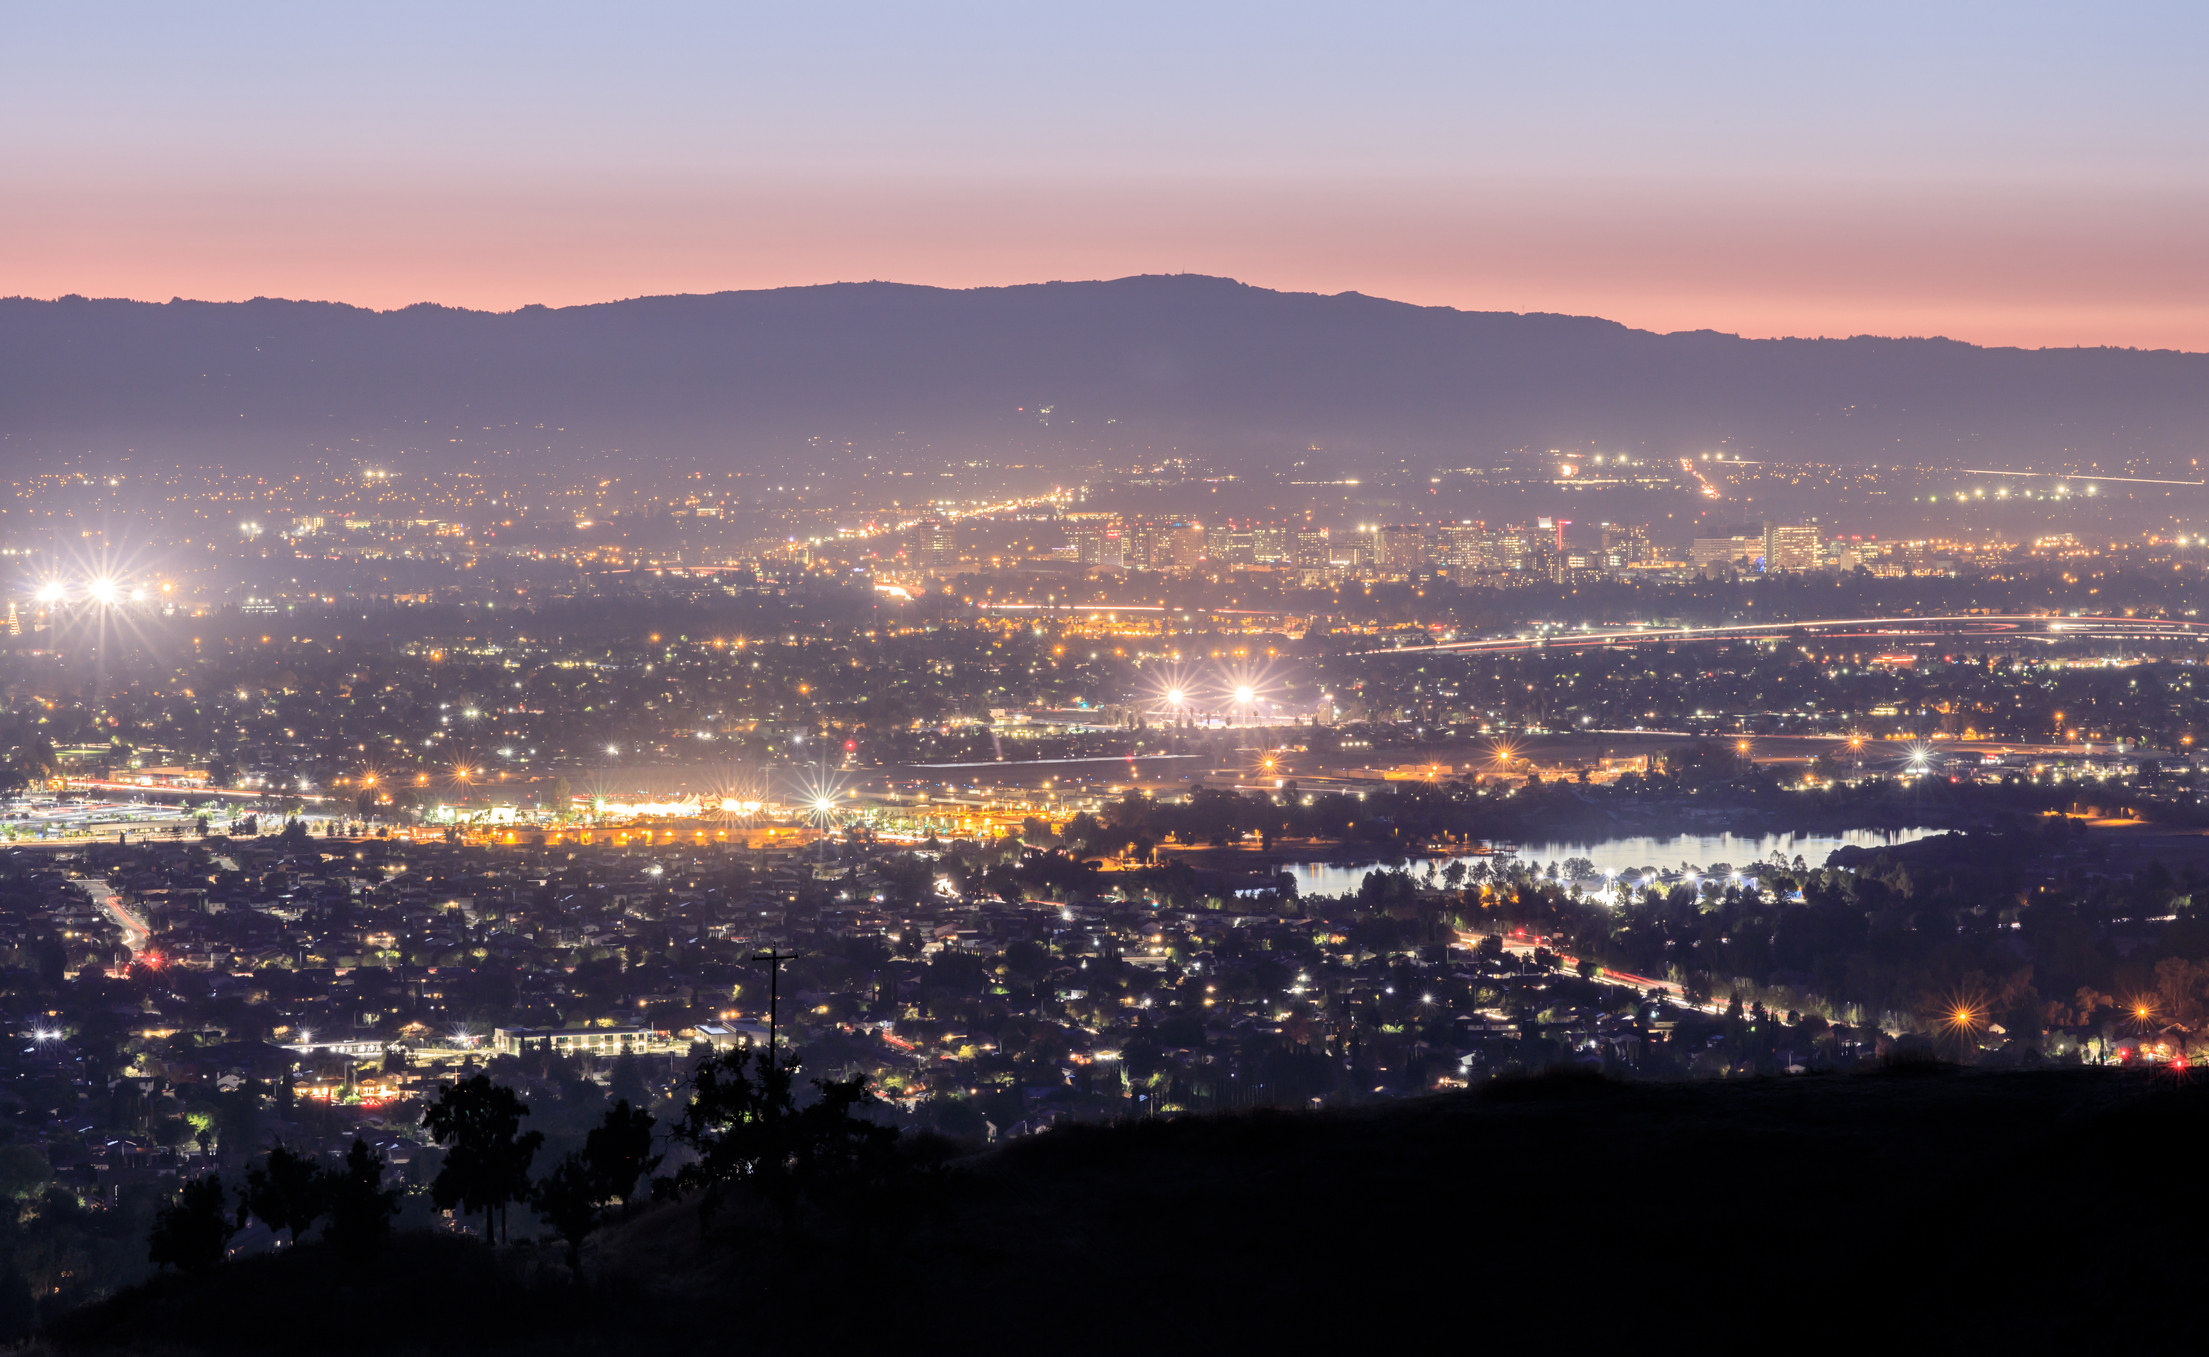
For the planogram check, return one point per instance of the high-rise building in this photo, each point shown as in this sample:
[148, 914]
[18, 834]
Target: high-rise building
[1742, 546]
[1182, 547]
[937, 548]
[1517, 548]
[1227, 545]
[1624, 544]
[1568, 567]
[1400, 549]
[1272, 546]
[1790, 546]
[1312, 547]
[1099, 544]
[1171, 546]
[1458, 545]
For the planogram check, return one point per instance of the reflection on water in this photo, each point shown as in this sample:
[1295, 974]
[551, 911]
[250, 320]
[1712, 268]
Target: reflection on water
[1626, 855]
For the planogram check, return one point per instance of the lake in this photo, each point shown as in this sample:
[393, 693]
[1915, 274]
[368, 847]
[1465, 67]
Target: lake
[1632, 854]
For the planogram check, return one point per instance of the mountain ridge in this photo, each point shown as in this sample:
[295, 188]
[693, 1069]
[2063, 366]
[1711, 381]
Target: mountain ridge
[1211, 364]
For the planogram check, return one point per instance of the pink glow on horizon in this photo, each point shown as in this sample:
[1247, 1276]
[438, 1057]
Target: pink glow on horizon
[1988, 266]
[2032, 175]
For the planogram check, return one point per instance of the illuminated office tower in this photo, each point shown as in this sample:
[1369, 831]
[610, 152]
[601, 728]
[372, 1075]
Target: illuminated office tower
[1790, 546]
[1400, 548]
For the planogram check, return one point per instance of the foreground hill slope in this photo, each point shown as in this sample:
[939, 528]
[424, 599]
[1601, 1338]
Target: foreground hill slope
[733, 376]
[2030, 1209]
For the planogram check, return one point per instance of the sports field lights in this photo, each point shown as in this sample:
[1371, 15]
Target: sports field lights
[104, 590]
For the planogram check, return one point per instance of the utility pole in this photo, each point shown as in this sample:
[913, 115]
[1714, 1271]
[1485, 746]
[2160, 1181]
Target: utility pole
[774, 960]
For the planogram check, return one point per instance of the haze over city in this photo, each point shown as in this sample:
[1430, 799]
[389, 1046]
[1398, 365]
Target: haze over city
[699, 678]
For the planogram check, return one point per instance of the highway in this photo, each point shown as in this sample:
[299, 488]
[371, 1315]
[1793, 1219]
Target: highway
[1981, 627]
[79, 784]
[136, 934]
[1523, 944]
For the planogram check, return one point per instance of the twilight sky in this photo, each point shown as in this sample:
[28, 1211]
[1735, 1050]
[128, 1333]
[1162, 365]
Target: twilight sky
[2015, 173]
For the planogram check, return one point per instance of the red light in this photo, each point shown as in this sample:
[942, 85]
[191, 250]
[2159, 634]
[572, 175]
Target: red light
[850, 745]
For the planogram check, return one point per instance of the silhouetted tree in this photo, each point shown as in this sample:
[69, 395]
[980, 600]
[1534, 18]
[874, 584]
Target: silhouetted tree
[573, 1197]
[747, 1128]
[285, 1190]
[619, 1150]
[361, 1207]
[487, 1160]
[570, 1200]
[37, 761]
[193, 1232]
[626, 1080]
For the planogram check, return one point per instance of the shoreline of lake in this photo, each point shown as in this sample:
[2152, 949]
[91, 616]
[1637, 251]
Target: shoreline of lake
[1623, 854]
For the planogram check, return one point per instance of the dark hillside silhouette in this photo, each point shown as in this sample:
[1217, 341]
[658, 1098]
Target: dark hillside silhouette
[1945, 1209]
[1229, 368]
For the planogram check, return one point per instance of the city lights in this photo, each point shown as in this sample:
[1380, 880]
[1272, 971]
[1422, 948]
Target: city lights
[1359, 746]
[1141, 810]
[100, 590]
